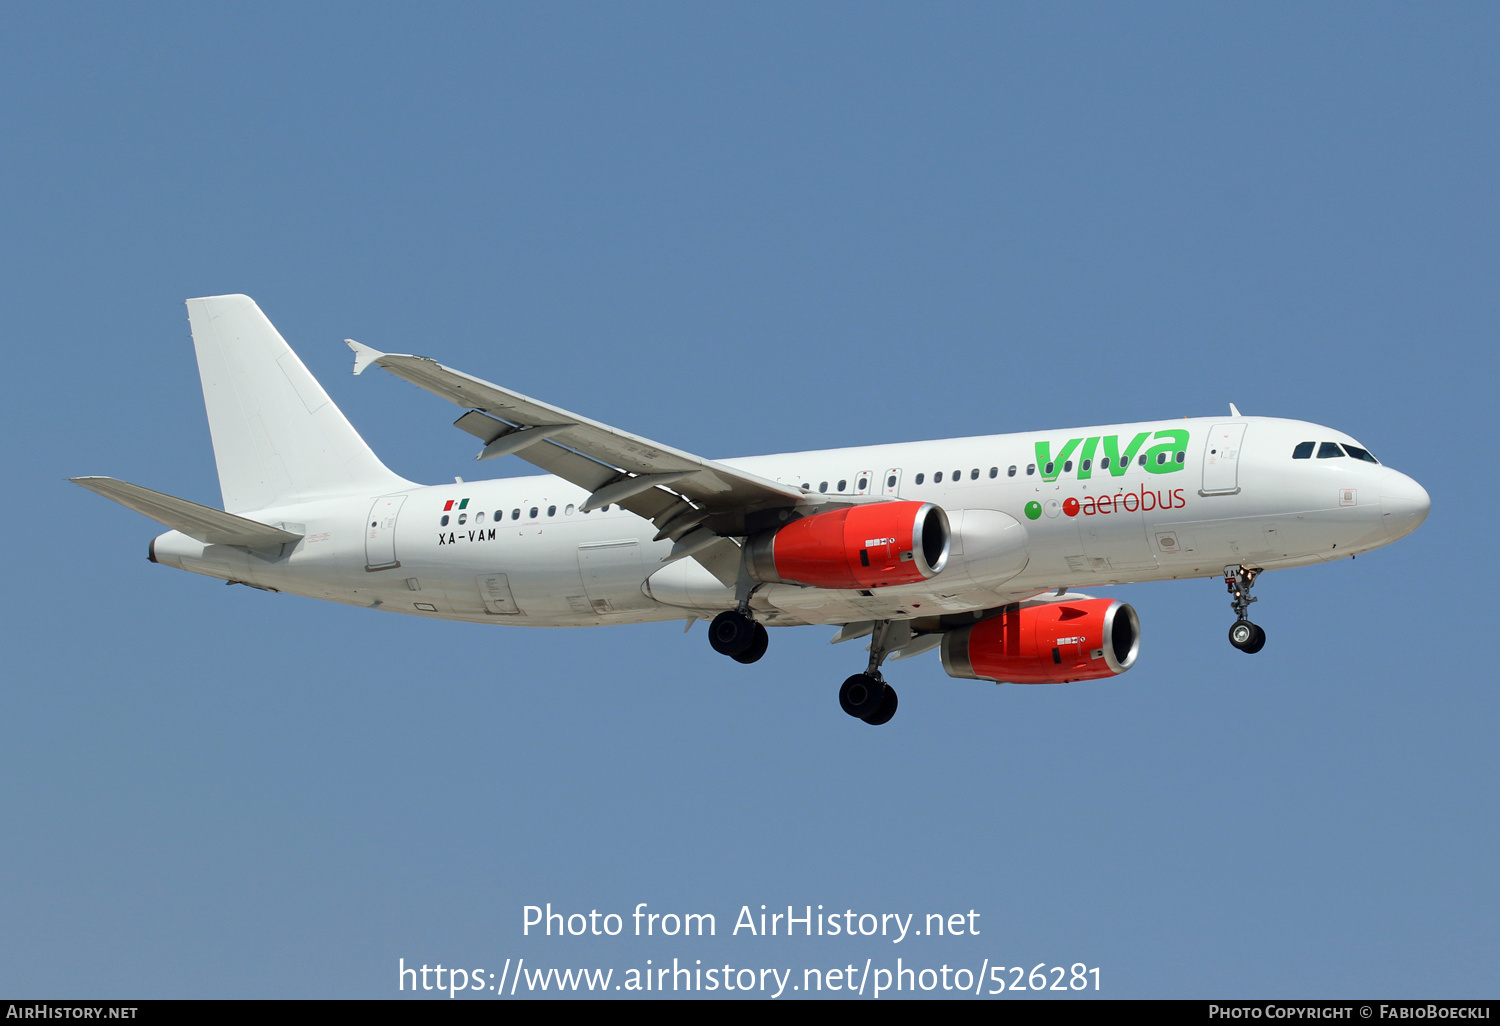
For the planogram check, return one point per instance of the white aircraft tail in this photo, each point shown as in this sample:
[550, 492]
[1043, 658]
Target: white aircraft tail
[277, 436]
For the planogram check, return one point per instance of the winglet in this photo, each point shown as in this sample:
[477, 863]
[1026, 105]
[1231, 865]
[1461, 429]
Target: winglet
[363, 355]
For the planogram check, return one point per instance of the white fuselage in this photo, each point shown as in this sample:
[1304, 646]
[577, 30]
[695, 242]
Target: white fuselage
[519, 550]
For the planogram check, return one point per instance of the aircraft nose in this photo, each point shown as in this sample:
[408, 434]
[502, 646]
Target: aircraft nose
[1404, 505]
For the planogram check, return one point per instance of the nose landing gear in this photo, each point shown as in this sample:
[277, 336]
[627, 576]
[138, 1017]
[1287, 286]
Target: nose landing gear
[1243, 635]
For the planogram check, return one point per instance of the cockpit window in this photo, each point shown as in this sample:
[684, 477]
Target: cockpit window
[1360, 454]
[1329, 450]
[1303, 450]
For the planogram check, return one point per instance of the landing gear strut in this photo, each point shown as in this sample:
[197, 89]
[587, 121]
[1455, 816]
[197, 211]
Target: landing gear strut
[736, 635]
[867, 696]
[1244, 635]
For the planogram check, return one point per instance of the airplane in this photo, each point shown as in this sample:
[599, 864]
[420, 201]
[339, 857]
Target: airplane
[967, 545]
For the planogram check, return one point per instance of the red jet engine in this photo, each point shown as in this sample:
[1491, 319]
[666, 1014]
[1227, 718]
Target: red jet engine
[1048, 644]
[867, 546]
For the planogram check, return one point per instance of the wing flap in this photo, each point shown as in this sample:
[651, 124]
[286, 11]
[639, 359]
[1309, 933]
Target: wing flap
[204, 523]
[578, 469]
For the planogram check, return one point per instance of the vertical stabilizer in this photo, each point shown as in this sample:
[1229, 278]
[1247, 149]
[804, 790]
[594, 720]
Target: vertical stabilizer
[277, 436]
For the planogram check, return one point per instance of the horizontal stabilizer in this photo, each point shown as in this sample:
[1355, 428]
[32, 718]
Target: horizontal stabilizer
[204, 523]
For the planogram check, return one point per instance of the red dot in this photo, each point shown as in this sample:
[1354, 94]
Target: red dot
[1070, 507]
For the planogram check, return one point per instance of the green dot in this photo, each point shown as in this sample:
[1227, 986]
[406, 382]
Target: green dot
[1033, 510]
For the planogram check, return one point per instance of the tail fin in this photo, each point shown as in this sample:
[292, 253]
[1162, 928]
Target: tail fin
[277, 436]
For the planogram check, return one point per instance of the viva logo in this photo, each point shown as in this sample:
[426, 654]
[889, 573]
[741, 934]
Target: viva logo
[1166, 456]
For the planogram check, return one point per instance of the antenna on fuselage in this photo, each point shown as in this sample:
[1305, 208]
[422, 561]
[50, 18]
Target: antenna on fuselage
[1234, 411]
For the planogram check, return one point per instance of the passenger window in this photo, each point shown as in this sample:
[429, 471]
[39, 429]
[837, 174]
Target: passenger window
[1303, 451]
[842, 484]
[890, 482]
[1030, 469]
[1104, 463]
[1012, 471]
[958, 475]
[463, 518]
[1360, 454]
[805, 486]
[552, 511]
[604, 509]
[1143, 460]
[937, 478]
[974, 474]
[569, 510]
[1047, 470]
[499, 515]
[1182, 457]
[1161, 458]
[919, 478]
[823, 486]
[479, 517]
[441, 523]
[1068, 467]
[1329, 450]
[994, 472]
[533, 513]
[515, 514]
[862, 483]
[1086, 466]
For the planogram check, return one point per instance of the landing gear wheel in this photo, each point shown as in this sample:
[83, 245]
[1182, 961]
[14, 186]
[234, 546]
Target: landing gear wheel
[886, 711]
[1259, 642]
[757, 647]
[862, 695]
[731, 633]
[1247, 637]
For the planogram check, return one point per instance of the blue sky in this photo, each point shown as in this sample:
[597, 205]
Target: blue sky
[741, 231]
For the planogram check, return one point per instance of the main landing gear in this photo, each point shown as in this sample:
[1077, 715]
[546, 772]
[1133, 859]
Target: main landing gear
[866, 696]
[1244, 635]
[737, 636]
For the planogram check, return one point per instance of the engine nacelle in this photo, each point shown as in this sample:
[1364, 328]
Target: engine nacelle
[1048, 644]
[867, 546]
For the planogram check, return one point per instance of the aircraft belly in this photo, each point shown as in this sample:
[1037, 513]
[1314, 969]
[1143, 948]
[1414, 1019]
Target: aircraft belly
[822, 605]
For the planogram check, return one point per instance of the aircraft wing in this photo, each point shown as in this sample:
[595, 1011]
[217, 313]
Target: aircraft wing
[614, 465]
